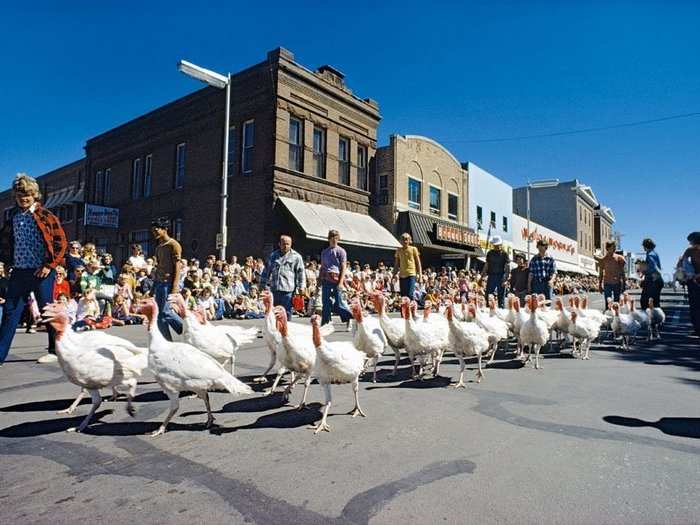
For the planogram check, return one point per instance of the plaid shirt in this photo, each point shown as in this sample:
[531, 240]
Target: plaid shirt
[542, 268]
[51, 231]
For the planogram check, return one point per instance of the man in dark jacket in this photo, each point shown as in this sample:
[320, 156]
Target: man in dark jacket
[33, 242]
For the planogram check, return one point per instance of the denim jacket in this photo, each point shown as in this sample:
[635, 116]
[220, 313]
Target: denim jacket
[284, 272]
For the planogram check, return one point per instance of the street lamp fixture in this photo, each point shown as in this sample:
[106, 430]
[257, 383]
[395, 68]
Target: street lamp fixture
[536, 184]
[219, 81]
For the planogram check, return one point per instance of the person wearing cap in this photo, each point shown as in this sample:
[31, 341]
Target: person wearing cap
[691, 260]
[543, 270]
[496, 270]
[33, 242]
[166, 276]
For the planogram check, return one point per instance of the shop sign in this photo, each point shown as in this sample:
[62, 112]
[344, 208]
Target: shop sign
[587, 263]
[554, 243]
[455, 234]
[101, 216]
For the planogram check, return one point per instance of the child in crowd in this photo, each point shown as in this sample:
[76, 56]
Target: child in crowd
[88, 311]
[122, 315]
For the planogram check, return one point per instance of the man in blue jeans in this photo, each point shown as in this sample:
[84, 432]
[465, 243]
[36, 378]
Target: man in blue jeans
[334, 262]
[33, 242]
[284, 273]
[497, 270]
[166, 276]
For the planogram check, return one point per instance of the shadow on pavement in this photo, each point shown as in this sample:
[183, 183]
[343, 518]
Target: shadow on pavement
[432, 382]
[255, 404]
[291, 418]
[48, 426]
[50, 405]
[673, 426]
[140, 428]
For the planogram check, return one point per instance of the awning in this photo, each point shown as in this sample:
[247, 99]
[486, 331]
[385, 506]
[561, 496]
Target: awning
[422, 229]
[354, 228]
[60, 198]
[568, 267]
[78, 196]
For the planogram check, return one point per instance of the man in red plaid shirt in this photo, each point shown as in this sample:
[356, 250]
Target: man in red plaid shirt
[33, 242]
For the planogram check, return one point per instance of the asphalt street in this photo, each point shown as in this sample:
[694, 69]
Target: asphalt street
[610, 440]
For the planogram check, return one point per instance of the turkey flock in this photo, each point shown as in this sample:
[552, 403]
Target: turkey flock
[204, 360]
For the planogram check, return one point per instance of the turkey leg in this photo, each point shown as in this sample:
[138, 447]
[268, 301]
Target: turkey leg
[323, 425]
[460, 383]
[263, 377]
[77, 401]
[280, 372]
[96, 402]
[174, 405]
[131, 392]
[357, 411]
[210, 417]
[302, 405]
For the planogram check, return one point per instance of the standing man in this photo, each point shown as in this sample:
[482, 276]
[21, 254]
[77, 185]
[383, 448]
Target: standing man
[611, 278]
[653, 282]
[33, 242]
[284, 273]
[407, 260]
[166, 276]
[691, 261]
[543, 270]
[497, 268]
[334, 263]
[519, 278]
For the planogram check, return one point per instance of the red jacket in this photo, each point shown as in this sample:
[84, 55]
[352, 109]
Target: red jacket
[51, 230]
[62, 288]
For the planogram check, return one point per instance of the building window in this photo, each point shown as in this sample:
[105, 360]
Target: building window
[296, 144]
[180, 155]
[99, 187]
[479, 217]
[177, 229]
[107, 186]
[505, 224]
[248, 143]
[492, 224]
[414, 193]
[362, 179]
[148, 176]
[435, 196]
[344, 160]
[383, 182]
[452, 206]
[136, 179]
[320, 152]
[231, 159]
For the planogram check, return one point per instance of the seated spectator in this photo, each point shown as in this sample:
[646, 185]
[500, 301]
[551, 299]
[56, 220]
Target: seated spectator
[121, 314]
[88, 311]
[61, 284]
[206, 302]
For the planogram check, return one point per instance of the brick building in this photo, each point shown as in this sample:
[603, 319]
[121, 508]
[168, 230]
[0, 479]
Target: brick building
[419, 187]
[294, 133]
[62, 192]
[603, 221]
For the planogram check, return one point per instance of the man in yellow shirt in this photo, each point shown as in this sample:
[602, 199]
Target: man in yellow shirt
[407, 261]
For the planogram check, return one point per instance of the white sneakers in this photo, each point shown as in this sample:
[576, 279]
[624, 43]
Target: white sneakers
[48, 358]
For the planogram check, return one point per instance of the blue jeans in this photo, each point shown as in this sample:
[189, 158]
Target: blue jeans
[283, 299]
[407, 285]
[331, 290]
[167, 318]
[21, 283]
[494, 283]
[542, 287]
[612, 290]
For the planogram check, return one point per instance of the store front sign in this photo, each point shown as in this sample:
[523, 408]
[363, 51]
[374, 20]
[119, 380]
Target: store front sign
[456, 235]
[587, 263]
[101, 216]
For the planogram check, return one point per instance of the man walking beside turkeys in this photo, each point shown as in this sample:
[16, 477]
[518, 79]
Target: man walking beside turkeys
[33, 242]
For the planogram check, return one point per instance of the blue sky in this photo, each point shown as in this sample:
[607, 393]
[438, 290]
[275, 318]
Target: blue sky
[456, 72]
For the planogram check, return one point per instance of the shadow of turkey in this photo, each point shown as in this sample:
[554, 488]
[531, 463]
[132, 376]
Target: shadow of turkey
[291, 418]
[688, 427]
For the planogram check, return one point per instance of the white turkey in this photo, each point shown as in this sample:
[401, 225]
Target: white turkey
[657, 318]
[641, 317]
[584, 330]
[423, 339]
[394, 329]
[466, 340]
[92, 367]
[367, 336]
[336, 363]
[533, 332]
[180, 367]
[624, 326]
[495, 327]
[295, 353]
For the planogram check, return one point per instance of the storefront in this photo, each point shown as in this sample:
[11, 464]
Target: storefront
[588, 265]
[441, 243]
[563, 249]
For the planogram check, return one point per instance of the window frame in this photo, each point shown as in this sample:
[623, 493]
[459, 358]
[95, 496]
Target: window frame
[437, 211]
[504, 224]
[247, 149]
[492, 220]
[99, 187]
[344, 163]
[479, 217]
[416, 205]
[147, 190]
[136, 179]
[179, 182]
[107, 186]
[319, 155]
[297, 146]
[362, 167]
[453, 216]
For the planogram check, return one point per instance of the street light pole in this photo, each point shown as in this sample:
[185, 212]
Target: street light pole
[529, 233]
[219, 81]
